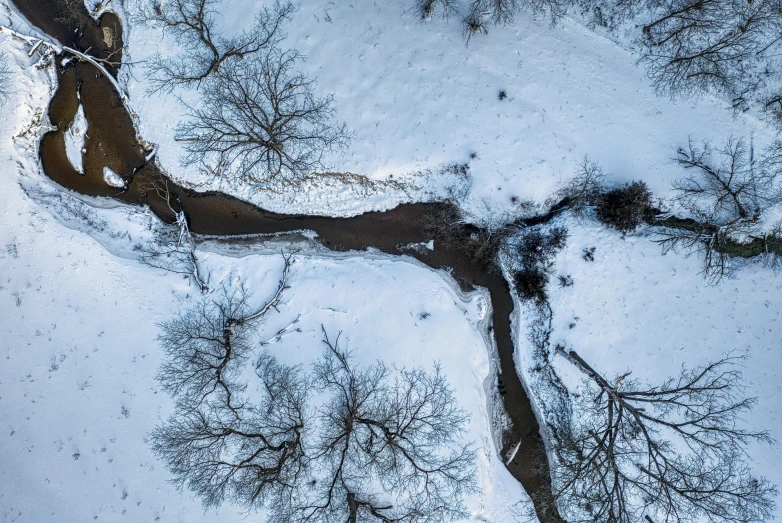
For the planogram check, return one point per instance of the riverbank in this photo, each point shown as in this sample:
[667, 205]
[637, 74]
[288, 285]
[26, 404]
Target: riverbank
[390, 232]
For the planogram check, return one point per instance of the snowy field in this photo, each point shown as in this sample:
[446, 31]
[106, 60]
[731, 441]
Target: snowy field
[77, 315]
[77, 391]
[417, 99]
[632, 309]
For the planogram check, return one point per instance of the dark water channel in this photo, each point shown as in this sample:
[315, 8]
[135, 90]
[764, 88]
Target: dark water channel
[112, 142]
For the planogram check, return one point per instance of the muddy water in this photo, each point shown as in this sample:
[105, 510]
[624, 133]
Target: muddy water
[112, 142]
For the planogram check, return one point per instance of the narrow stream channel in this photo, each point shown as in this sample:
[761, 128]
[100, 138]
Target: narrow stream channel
[113, 143]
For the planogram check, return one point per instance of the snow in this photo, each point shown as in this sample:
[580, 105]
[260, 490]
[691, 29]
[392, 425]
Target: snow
[418, 99]
[75, 136]
[77, 313]
[78, 316]
[513, 453]
[635, 309]
[113, 179]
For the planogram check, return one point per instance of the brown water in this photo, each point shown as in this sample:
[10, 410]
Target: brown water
[112, 142]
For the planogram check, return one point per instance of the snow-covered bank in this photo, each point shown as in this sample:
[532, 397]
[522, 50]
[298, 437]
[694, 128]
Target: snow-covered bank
[77, 390]
[632, 309]
[417, 99]
[82, 353]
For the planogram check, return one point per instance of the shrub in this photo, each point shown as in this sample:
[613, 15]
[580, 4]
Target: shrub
[625, 208]
[535, 251]
[530, 283]
[565, 281]
[536, 247]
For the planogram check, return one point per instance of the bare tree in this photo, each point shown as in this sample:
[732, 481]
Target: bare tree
[609, 14]
[725, 198]
[193, 24]
[218, 443]
[720, 245]
[724, 47]
[667, 453]
[738, 188]
[247, 452]
[712, 46]
[582, 191]
[377, 447]
[708, 240]
[207, 346]
[261, 121]
[428, 8]
[173, 246]
[504, 11]
[386, 450]
[498, 11]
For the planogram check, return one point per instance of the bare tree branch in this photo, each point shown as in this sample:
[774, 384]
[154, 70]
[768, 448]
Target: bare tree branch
[207, 345]
[376, 448]
[388, 450]
[98, 63]
[725, 197]
[667, 453]
[192, 23]
[260, 121]
[251, 455]
[428, 8]
[173, 247]
[711, 46]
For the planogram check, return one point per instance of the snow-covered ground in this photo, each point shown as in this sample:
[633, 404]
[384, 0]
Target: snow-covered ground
[634, 309]
[77, 315]
[417, 98]
[78, 324]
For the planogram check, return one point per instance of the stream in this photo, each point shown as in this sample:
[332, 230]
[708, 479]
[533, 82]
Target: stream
[112, 142]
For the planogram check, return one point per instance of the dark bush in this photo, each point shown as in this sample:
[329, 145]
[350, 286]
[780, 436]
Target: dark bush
[536, 247]
[535, 251]
[625, 208]
[530, 283]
